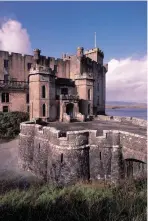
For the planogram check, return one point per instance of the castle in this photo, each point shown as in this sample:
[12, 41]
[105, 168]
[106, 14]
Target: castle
[56, 92]
[66, 89]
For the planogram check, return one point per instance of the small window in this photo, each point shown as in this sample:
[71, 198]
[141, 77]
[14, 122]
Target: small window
[89, 97]
[28, 108]
[27, 98]
[88, 109]
[5, 97]
[61, 157]
[29, 66]
[64, 90]
[43, 91]
[6, 64]
[5, 108]
[44, 110]
[100, 155]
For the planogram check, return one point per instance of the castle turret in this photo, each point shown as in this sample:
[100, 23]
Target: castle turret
[42, 91]
[84, 84]
[80, 51]
[95, 54]
[36, 56]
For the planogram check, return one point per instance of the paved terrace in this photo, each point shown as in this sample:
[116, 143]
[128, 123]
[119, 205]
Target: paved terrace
[100, 125]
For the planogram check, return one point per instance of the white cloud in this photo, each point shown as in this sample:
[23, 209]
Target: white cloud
[126, 80]
[13, 37]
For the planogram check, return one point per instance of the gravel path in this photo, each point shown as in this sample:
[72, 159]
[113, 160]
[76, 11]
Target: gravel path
[10, 173]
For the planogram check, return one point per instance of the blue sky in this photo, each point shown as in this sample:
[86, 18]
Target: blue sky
[57, 27]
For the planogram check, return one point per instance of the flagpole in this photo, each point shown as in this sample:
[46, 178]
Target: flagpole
[95, 40]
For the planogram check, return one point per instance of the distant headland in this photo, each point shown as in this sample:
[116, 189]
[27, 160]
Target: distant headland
[125, 105]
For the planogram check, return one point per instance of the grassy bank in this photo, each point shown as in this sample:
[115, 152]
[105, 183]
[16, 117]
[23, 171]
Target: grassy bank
[82, 202]
[10, 124]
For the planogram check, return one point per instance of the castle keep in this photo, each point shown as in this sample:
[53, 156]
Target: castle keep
[66, 89]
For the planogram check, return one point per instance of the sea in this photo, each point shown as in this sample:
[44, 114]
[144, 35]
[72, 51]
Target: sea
[129, 112]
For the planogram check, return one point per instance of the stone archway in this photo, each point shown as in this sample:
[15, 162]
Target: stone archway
[70, 110]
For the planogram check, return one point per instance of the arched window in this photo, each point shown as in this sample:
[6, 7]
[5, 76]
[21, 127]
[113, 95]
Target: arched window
[89, 96]
[43, 91]
[44, 110]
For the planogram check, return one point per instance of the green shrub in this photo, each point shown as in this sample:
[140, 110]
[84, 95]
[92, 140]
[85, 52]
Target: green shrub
[10, 123]
[76, 203]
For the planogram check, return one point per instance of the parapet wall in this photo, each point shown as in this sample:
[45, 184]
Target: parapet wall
[132, 120]
[64, 158]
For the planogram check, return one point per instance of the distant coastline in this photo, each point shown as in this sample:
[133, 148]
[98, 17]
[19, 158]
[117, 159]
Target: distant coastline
[140, 106]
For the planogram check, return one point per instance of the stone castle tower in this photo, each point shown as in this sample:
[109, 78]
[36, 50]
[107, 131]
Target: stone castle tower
[67, 99]
[41, 90]
[85, 85]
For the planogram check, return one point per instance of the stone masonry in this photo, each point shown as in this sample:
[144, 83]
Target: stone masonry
[81, 75]
[67, 156]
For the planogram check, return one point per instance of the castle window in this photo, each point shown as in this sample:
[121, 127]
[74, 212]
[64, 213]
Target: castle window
[29, 66]
[44, 110]
[88, 109]
[6, 64]
[28, 108]
[5, 108]
[61, 157]
[64, 90]
[5, 97]
[89, 97]
[43, 91]
[27, 98]
[100, 155]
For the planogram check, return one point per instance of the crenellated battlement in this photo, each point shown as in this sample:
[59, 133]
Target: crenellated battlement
[78, 154]
[94, 50]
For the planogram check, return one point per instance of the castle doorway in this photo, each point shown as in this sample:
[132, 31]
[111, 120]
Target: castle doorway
[69, 110]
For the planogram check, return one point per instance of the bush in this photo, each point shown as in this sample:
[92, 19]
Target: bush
[10, 124]
[76, 203]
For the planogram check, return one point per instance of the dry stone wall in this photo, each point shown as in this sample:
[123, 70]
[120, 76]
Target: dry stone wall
[65, 158]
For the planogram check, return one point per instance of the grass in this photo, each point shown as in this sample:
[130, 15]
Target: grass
[10, 124]
[82, 202]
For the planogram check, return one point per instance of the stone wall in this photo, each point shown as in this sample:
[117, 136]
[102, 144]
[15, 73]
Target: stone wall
[132, 120]
[64, 158]
[17, 101]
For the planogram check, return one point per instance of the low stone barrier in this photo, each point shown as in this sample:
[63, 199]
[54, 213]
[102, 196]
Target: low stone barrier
[132, 120]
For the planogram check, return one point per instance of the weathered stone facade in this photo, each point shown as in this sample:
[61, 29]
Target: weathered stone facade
[82, 74]
[67, 157]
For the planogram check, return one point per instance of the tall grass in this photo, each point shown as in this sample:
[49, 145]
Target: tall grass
[82, 202]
